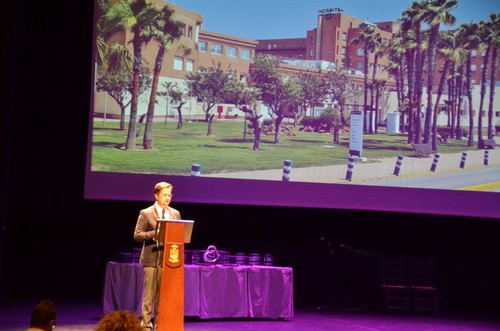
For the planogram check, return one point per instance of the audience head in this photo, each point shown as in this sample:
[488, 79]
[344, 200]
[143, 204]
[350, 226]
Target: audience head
[119, 320]
[43, 316]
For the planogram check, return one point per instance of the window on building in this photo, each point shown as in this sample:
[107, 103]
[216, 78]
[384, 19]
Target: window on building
[473, 68]
[216, 49]
[178, 63]
[246, 54]
[310, 53]
[343, 50]
[231, 51]
[360, 65]
[189, 65]
[360, 52]
[344, 36]
[244, 77]
[190, 32]
[203, 46]
[473, 53]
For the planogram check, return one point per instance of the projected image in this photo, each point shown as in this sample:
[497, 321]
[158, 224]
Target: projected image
[340, 101]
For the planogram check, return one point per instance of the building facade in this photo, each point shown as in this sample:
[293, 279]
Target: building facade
[196, 48]
[330, 42]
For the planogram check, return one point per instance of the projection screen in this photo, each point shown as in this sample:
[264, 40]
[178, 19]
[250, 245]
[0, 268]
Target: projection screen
[210, 156]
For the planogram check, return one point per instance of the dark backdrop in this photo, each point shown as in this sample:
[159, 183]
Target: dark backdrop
[56, 244]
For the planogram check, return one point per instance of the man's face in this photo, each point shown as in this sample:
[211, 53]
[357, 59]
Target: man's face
[164, 197]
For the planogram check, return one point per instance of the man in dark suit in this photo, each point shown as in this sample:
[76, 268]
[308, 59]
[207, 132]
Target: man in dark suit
[152, 250]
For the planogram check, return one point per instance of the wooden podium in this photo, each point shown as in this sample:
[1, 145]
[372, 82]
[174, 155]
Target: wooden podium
[173, 234]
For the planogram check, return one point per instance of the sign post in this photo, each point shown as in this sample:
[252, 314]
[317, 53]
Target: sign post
[356, 134]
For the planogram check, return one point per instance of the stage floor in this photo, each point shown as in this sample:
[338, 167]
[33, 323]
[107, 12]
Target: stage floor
[83, 316]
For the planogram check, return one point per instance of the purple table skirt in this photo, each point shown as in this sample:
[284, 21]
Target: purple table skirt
[209, 291]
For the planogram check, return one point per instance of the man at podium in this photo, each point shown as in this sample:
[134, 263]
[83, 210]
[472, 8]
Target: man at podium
[152, 251]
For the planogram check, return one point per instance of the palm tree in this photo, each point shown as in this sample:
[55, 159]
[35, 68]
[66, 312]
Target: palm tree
[455, 81]
[495, 44]
[164, 32]
[143, 18]
[411, 41]
[450, 42]
[396, 66]
[469, 41]
[378, 51]
[112, 56]
[485, 36]
[378, 86]
[366, 37]
[446, 42]
[458, 93]
[414, 15]
[434, 13]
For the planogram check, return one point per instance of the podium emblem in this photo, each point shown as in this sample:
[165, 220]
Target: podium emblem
[174, 254]
[173, 260]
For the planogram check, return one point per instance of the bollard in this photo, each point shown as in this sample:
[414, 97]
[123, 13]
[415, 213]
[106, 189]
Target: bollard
[350, 167]
[435, 162]
[486, 155]
[287, 168]
[398, 165]
[196, 169]
[462, 161]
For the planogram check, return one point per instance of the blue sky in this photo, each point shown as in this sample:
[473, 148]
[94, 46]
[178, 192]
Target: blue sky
[269, 19]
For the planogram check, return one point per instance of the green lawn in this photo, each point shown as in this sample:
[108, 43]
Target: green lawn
[174, 151]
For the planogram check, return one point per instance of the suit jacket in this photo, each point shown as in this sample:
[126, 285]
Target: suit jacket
[152, 252]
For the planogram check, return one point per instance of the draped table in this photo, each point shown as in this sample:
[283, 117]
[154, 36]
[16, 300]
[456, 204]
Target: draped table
[210, 291]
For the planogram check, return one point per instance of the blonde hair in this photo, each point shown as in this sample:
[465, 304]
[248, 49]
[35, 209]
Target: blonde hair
[161, 185]
[119, 320]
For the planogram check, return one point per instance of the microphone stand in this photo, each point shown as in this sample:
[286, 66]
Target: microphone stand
[363, 290]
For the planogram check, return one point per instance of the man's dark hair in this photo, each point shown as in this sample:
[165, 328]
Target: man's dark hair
[43, 313]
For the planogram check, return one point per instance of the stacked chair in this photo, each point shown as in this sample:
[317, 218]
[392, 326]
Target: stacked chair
[407, 284]
[424, 294]
[394, 293]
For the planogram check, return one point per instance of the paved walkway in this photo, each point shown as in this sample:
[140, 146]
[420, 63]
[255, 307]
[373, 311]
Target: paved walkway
[376, 169]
